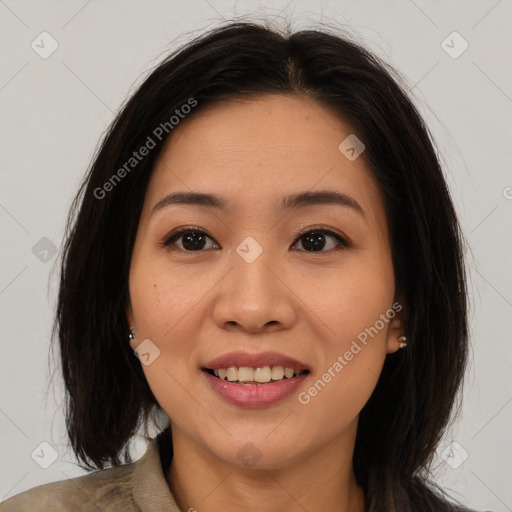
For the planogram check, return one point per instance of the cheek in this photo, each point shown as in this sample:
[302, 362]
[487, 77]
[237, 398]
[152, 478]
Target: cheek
[355, 316]
[351, 299]
[354, 311]
[164, 305]
[162, 298]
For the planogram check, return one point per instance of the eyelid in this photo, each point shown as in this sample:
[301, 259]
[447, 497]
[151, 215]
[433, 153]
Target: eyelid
[175, 234]
[324, 229]
[342, 239]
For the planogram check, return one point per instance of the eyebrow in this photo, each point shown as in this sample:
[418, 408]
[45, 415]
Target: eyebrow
[299, 200]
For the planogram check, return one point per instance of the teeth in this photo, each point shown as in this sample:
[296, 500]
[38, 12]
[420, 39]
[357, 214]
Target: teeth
[277, 372]
[262, 375]
[232, 373]
[245, 374]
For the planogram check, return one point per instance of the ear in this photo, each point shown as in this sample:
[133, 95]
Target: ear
[396, 328]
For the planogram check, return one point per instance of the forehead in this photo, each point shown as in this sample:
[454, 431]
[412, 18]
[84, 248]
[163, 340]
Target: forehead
[260, 149]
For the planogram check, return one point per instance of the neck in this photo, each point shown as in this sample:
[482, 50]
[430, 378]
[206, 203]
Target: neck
[315, 482]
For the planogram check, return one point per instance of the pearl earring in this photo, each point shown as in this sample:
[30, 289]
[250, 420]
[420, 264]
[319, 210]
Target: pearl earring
[402, 340]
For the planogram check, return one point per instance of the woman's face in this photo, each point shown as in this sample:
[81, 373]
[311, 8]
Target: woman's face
[249, 284]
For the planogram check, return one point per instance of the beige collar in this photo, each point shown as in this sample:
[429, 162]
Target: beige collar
[151, 489]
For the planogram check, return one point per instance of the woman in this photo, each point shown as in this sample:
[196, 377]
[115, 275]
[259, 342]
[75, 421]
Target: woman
[266, 227]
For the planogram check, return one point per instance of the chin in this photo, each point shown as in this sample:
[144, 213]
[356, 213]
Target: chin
[255, 452]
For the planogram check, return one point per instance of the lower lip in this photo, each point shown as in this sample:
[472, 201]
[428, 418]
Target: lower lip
[254, 395]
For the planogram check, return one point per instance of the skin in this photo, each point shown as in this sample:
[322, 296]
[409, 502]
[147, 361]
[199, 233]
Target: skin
[197, 305]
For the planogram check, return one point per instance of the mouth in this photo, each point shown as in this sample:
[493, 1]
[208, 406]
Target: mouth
[255, 380]
[260, 375]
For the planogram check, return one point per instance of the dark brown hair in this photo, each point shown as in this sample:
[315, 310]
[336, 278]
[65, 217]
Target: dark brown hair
[108, 398]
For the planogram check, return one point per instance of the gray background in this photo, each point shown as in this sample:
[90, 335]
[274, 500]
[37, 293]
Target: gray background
[55, 109]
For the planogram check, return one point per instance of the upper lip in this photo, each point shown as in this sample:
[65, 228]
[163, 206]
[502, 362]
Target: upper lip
[255, 361]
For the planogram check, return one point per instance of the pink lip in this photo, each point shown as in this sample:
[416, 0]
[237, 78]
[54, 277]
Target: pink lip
[255, 360]
[254, 395]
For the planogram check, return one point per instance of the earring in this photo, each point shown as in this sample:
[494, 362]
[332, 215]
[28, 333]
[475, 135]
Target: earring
[131, 336]
[402, 340]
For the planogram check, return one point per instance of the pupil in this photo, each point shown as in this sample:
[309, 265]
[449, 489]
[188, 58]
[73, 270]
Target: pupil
[314, 241]
[193, 241]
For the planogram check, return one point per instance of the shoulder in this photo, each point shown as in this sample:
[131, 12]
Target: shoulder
[140, 486]
[110, 489]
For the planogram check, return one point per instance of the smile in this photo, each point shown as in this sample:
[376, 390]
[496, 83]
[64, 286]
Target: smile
[246, 375]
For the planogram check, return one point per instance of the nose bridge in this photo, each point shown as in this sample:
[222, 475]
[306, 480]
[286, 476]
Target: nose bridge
[259, 257]
[252, 262]
[252, 296]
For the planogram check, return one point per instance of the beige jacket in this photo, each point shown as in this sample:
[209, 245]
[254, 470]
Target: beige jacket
[137, 487]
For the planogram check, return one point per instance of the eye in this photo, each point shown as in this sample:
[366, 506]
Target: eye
[314, 240]
[192, 240]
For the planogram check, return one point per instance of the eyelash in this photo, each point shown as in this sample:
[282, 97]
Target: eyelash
[343, 242]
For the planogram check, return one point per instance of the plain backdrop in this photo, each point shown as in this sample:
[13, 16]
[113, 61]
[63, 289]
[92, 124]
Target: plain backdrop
[456, 58]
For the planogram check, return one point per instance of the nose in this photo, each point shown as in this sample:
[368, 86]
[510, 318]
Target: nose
[254, 297]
